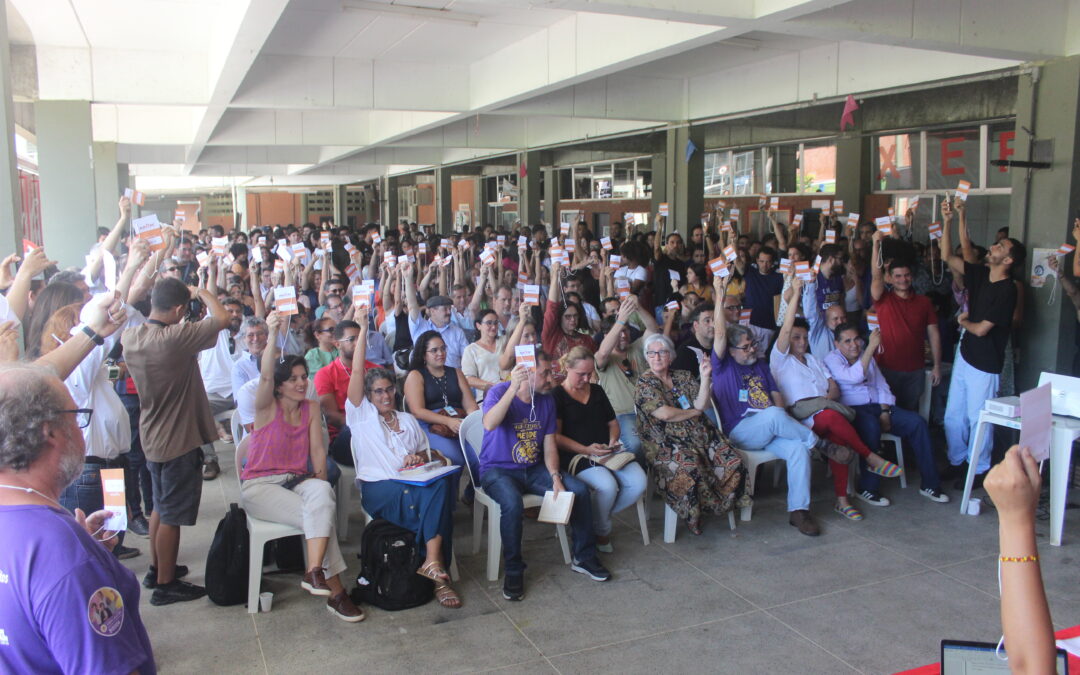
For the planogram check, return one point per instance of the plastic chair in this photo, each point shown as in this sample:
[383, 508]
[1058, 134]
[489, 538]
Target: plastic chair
[260, 532]
[893, 438]
[751, 459]
[472, 434]
[235, 428]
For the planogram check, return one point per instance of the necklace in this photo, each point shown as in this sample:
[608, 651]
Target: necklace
[28, 490]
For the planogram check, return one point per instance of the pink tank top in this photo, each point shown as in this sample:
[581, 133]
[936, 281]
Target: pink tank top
[279, 447]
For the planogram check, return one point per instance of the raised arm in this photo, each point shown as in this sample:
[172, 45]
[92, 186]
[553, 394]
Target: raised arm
[105, 314]
[955, 262]
[410, 293]
[555, 289]
[780, 232]
[111, 240]
[966, 247]
[877, 277]
[507, 358]
[18, 295]
[783, 340]
[612, 338]
[264, 392]
[356, 379]
[719, 318]
[494, 415]
[871, 346]
[140, 251]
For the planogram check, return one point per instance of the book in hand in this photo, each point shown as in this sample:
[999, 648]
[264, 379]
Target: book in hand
[554, 510]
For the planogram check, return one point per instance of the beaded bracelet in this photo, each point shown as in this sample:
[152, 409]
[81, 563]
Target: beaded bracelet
[1019, 559]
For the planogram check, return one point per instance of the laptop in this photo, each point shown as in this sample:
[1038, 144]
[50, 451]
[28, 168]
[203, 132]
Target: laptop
[1064, 393]
[959, 657]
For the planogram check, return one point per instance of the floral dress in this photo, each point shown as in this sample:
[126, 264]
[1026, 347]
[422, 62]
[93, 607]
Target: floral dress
[694, 466]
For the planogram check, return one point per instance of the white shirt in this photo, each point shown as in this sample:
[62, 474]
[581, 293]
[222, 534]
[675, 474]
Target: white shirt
[216, 364]
[632, 275]
[379, 453]
[6, 313]
[798, 380]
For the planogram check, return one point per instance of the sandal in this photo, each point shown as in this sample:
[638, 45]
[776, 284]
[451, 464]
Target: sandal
[435, 572]
[849, 512]
[887, 470]
[447, 596]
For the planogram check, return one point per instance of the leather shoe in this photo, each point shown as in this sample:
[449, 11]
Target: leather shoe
[210, 470]
[314, 582]
[343, 608]
[805, 522]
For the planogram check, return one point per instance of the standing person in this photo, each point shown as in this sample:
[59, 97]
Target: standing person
[56, 567]
[976, 371]
[906, 319]
[162, 357]
[763, 285]
[671, 259]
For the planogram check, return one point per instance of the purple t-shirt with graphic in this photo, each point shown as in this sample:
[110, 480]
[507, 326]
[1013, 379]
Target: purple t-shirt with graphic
[518, 442]
[66, 604]
[736, 387]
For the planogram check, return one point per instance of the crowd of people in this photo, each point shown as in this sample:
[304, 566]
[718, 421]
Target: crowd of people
[654, 359]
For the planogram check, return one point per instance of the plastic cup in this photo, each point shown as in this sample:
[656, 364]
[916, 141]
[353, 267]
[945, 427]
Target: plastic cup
[974, 506]
[266, 601]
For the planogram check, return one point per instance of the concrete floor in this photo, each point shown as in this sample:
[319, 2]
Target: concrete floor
[871, 597]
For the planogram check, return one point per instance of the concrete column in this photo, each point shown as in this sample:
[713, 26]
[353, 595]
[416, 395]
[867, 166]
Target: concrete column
[529, 188]
[240, 214]
[107, 187]
[11, 233]
[1042, 210]
[659, 185]
[685, 179]
[444, 200]
[552, 195]
[371, 203]
[341, 217]
[853, 171]
[389, 199]
[68, 203]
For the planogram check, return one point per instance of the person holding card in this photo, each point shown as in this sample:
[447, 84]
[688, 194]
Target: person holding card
[284, 479]
[438, 319]
[976, 372]
[863, 388]
[564, 321]
[519, 456]
[763, 285]
[587, 427]
[667, 259]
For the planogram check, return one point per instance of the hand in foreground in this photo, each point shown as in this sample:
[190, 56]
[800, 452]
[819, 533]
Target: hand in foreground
[1014, 485]
[93, 524]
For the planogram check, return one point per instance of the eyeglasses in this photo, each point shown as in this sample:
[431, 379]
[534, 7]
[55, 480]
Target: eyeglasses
[82, 416]
[733, 308]
[654, 355]
[325, 330]
[384, 390]
[749, 346]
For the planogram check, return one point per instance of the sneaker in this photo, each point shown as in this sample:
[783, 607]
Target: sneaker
[592, 569]
[873, 498]
[139, 526]
[176, 591]
[934, 495]
[805, 522]
[150, 580]
[210, 470]
[514, 587]
[125, 552]
[343, 608]
[314, 582]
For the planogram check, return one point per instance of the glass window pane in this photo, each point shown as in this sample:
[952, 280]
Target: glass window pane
[601, 181]
[745, 172]
[818, 163]
[952, 155]
[782, 169]
[566, 183]
[1001, 144]
[897, 162]
[582, 182]
[624, 181]
[644, 182]
[718, 173]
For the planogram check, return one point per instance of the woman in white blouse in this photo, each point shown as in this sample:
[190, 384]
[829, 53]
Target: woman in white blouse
[384, 442]
[480, 360]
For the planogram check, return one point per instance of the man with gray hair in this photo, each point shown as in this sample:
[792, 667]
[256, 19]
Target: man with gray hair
[65, 601]
[253, 333]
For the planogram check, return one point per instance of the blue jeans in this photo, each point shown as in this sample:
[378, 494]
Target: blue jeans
[910, 428]
[612, 491]
[628, 434]
[341, 447]
[774, 430]
[969, 389]
[506, 486]
[137, 485]
[86, 492]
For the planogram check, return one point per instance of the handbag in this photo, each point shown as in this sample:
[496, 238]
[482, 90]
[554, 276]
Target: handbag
[442, 429]
[612, 462]
[806, 407]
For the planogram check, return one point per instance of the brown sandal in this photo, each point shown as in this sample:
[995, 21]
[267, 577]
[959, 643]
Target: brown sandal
[435, 572]
[447, 596]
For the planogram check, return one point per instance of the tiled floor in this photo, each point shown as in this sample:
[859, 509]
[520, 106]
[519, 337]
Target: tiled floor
[871, 597]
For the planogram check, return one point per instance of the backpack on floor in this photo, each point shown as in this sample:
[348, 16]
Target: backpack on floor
[389, 559]
[227, 560]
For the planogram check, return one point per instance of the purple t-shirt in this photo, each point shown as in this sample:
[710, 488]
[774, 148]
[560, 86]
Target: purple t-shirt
[829, 291]
[518, 442]
[66, 604]
[736, 387]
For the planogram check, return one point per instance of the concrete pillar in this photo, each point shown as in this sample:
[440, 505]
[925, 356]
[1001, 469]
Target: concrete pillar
[853, 171]
[685, 179]
[1042, 210]
[240, 214]
[68, 203]
[341, 217]
[552, 195]
[659, 185]
[10, 195]
[371, 203]
[107, 188]
[444, 200]
[529, 188]
[389, 199]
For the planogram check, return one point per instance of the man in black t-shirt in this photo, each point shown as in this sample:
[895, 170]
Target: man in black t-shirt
[666, 261]
[976, 372]
[700, 343]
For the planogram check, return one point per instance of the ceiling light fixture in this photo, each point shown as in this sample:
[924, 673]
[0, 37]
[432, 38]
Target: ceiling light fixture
[415, 11]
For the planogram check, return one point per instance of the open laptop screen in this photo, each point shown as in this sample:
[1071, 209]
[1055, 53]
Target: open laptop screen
[978, 658]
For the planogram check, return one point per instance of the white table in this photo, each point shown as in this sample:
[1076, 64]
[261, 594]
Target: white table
[1065, 431]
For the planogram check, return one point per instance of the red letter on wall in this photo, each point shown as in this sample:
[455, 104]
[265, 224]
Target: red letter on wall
[947, 154]
[1004, 149]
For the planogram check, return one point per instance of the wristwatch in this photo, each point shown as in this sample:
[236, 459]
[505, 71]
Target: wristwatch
[89, 332]
[555, 475]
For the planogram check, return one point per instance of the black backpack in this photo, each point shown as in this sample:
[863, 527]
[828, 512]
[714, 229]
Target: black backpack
[389, 559]
[227, 561]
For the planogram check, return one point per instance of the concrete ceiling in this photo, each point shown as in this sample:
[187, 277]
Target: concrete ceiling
[334, 91]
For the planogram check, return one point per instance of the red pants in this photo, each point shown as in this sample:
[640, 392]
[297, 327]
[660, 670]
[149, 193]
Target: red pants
[833, 426]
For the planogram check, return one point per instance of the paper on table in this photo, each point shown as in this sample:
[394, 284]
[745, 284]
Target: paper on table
[1036, 421]
[112, 485]
[556, 510]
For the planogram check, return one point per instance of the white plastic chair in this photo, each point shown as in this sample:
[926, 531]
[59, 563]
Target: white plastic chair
[260, 532]
[893, 438]
[235, 428]
[751, 459]
[472, 433]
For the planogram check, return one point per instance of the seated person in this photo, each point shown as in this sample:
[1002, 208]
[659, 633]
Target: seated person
[805, 384]
[863, 387]
[395, 441]
[689, 354]
[587, 426]
[332, 386]
[694, 467]
[276, 483]
[733, 307]
[325, 351]
[480, 362]
[752, 412]
[518, 456]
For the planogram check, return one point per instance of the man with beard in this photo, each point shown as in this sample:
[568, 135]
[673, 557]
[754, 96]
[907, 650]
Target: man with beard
[216, 365]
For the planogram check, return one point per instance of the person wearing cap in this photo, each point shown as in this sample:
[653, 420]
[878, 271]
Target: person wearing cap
[438, 320]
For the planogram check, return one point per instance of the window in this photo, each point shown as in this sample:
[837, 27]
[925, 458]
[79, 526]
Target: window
[1000, 144]
[623, 187]
[952, 155]
[817, 168]
[782, 169]
[938, 159]
[718, 173]
[627, 179]
[745, 173]
[898, 162]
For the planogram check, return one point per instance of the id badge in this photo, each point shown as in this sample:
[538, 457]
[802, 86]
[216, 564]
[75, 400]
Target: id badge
[450, 411]
[744, 395]
[684, 402]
